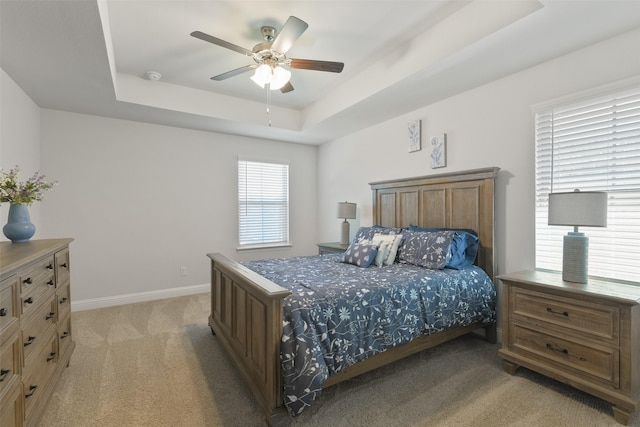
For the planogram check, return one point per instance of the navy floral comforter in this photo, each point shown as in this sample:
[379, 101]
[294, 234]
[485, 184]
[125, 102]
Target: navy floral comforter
[339, 314]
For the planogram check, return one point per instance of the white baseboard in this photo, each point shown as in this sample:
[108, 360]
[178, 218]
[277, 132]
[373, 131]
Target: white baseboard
[92, 303]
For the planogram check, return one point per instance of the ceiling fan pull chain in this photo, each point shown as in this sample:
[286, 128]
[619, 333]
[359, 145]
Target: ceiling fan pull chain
[268, 89]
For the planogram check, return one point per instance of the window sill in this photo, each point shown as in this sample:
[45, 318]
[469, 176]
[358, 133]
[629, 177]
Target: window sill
[263, 246]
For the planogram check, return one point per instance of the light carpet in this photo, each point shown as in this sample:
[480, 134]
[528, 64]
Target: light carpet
[157, 364]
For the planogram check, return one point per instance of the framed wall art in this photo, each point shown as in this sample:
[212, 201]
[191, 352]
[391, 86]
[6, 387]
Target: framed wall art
[439, 151]
[414, 129]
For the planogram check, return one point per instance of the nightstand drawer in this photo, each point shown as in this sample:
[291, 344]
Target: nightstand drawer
[38, 326]
[38, 278]
[600, 364]
[588, 319]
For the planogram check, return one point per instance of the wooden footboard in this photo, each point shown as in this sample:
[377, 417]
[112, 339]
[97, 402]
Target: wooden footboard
[246, 317]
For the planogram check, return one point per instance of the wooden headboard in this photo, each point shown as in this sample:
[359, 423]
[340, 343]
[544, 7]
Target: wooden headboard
[451, 200]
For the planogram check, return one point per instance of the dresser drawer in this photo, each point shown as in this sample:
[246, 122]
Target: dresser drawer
[591, 320]
[9, 361]
[11, 404]
[37, 373]
[9, 309]
[63, 298]
[64, 334]
[38, 325]
[601, 365]
[63, 267]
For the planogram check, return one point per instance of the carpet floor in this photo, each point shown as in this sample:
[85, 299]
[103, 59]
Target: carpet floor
[157, 364]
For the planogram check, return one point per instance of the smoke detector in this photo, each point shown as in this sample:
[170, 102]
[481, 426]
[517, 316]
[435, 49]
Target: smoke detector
[153, 75]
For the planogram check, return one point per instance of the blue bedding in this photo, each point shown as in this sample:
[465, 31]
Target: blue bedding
[339, 314]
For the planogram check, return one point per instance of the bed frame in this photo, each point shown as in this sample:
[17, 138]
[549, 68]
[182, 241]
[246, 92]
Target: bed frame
[246, 308]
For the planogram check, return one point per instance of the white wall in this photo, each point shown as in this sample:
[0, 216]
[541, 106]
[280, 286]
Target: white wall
[143, 200]
[488, 126]
[19, 141]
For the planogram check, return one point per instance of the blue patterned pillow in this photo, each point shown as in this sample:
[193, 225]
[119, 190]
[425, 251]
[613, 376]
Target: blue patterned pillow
[361, 255]
[426, 249]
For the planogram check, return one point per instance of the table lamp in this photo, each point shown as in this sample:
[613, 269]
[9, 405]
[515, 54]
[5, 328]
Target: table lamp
[346, 211]
[577, 209]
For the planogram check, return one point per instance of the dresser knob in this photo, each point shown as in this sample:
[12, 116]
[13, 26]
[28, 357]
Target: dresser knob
[50, 283]
[29, 341]
[51, 357]
[3, 312]
[50, 266]
[64, 335]
[29, 300]
[63, 300]
[27, 281]
[4, 373]
[50, 315]
[63, 265]
[32, 389]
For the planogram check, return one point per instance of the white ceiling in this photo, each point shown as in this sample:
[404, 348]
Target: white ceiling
[91, 56]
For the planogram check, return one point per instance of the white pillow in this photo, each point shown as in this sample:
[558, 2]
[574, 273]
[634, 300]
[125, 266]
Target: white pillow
[393, 242]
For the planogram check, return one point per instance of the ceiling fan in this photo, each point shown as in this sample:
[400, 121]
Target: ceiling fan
[270, 58]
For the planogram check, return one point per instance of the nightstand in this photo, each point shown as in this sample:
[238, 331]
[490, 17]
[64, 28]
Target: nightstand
[584, 335]
[331, 248]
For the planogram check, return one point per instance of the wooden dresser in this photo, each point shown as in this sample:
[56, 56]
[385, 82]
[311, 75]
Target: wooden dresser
[35, 326]
[584, 335]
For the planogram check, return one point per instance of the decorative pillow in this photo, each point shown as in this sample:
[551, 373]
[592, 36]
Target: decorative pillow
[464, 247]
[393, 241]
[367, 233]
[361, 255]
[426, 249]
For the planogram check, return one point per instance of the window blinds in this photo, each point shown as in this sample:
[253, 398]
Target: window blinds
[263, 203]
[592, 145]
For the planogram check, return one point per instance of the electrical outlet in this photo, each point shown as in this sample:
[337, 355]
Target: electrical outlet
[183, 271]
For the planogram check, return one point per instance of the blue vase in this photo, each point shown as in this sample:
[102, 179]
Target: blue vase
[19, 227]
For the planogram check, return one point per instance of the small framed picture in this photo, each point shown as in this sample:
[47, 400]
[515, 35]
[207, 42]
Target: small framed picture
[439, 151]
[415, 131]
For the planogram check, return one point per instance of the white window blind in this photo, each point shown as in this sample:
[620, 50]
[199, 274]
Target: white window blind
[263, 203]
[593, 145]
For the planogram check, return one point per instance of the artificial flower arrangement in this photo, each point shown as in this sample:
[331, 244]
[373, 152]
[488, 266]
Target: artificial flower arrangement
[27, 192]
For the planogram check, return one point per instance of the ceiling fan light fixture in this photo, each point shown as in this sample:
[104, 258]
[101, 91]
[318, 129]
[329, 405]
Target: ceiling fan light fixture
[280, 78]
[263, 75]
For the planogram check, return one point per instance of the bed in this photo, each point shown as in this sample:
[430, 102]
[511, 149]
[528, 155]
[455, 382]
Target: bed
[248, 308]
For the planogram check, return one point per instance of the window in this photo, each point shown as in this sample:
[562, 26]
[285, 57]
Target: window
[263, 204]
[593, 145]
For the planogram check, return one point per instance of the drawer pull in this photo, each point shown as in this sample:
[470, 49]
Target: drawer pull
[29, 300]
[50, 283]
[29, 341]
[552, 311]
[559, 350]
[51, 357]
[64, 335]
[64, 265]
[27, 281]
[32, 389]
[3, 312]
[50, 315]
[4, 373]
[63, 300]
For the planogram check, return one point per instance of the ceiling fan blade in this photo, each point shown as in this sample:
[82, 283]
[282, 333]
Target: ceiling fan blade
[235, 72]
[290, 32]
[286, 88]
[206, 37]
[310, 64]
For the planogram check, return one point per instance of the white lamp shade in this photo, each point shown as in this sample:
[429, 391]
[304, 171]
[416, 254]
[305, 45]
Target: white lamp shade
[346, 210]
[280, 78]
[263, 75]
[578, 209]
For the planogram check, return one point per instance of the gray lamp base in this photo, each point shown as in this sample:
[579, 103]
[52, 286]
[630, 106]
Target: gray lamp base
[575, 258]
[344, 238]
